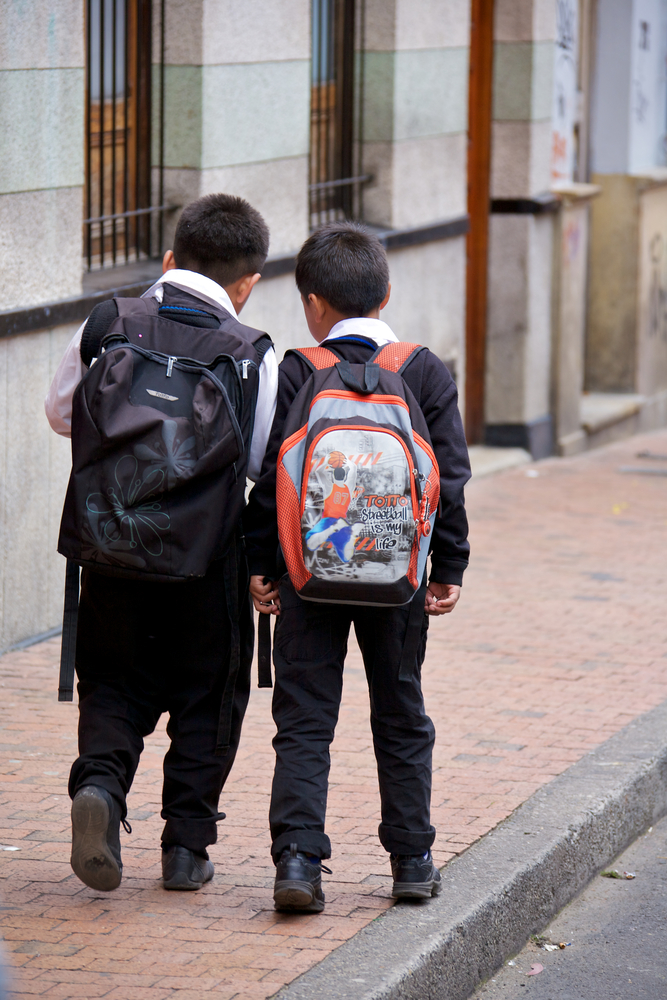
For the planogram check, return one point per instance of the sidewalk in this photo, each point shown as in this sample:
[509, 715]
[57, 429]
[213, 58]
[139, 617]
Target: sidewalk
[558, 642]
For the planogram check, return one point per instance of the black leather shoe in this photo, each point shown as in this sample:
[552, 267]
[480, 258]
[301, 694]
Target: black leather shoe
[298, 885]
[415, 876]
[96, 838]
[183, 869]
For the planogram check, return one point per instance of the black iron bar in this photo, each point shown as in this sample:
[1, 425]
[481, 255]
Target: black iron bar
[161, 165]
[113, 131]
[137, 123]
[88, 234]
[102, 12]
[342, 182]
[131, 213]
[126, 127]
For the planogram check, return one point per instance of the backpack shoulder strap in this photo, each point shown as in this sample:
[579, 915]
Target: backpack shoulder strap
[101, 318]
[395, 357]
[262, 343]
[127, 306]
[317, 358]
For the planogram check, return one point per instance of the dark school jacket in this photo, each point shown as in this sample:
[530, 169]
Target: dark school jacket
[435, 390]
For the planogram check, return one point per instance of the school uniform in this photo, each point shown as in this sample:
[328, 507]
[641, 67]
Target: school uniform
[310, 640]
[144, 648]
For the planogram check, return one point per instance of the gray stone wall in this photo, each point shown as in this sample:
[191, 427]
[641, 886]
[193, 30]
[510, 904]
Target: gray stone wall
[41, 167]
[34, 468]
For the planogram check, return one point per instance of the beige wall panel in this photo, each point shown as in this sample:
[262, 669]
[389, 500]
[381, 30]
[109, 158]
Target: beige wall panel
[183, 32]
[180, 188]
[429, 180]
[507, 319]
[537, 379]
[380, 25]
[278, 189]
[238, 31]
[519, 318]
[275, 306]
[40, 246]
[41, 35]
[26, 489]
[520, 164]
[652, 318]
[571, 246]
[432, 24]
[4, 540]
[34, 469]
[525, 20]
[427, 303]
[60, 462]
[612, 286]
[378, 195]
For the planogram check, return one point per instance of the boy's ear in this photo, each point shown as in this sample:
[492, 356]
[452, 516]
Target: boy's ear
[386, 298]
[240, 291]
[168, 262]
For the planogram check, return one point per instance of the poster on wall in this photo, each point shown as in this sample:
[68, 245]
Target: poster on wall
[564, 115]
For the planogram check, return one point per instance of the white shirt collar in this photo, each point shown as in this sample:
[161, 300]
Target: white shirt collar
[362, 326]
[190, 281]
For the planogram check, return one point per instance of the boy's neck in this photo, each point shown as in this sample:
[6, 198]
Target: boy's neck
[322, 330]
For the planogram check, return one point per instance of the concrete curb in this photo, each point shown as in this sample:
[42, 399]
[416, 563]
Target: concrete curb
[509, 884]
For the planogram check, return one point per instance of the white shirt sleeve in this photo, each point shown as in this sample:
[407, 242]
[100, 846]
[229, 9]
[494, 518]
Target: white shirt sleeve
[264, 413]
[58, 402]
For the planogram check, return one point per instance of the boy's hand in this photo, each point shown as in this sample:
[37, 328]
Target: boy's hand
[265, 595]
[441, 598]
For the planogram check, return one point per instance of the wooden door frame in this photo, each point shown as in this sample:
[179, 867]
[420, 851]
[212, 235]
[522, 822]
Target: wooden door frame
[480, 98]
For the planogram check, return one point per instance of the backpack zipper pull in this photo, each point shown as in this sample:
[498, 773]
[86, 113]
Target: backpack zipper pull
[245, 368]
[170, 365]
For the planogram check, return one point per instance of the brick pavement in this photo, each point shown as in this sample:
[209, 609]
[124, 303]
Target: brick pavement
[560, 640]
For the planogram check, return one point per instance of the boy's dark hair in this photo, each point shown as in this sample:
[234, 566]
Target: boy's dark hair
[346, 265]
[222, 237]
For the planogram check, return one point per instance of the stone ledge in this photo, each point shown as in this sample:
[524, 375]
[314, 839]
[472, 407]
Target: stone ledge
[600, 410]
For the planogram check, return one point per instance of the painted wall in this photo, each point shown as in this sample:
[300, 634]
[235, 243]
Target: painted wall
[630, 87]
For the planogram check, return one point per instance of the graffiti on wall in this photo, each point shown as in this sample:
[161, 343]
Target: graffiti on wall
[657, 304]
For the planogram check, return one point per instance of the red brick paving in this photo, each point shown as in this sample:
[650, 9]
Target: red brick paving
[560, 640]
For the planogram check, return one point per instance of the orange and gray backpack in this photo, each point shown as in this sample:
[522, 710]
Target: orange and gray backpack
[358, 484]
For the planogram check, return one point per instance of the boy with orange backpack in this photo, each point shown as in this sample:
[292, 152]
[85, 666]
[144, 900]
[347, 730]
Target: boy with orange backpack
[362, 479]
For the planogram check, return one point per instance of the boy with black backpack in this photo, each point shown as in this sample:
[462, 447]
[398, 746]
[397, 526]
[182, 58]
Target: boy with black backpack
[169, 402]
[362, 479]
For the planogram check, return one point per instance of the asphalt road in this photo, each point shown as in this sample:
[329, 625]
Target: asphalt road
[616, 933]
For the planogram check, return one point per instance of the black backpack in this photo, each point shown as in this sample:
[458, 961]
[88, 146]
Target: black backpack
[161, 429]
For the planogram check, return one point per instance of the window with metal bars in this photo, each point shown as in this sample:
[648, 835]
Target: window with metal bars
[335, 189]
[123, 193]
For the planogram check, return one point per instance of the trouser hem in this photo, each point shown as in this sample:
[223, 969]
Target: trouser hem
[107, 783]
[195, 834]
[397, 841]
[307, 841]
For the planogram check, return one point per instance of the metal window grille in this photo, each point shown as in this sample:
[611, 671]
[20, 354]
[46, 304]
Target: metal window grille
[124, 194]
[335, 119]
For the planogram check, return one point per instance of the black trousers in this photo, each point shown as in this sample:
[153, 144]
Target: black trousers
[310, 645]
[146, 648]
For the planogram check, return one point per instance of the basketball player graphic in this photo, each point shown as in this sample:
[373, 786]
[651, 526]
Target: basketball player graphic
[338, 480]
